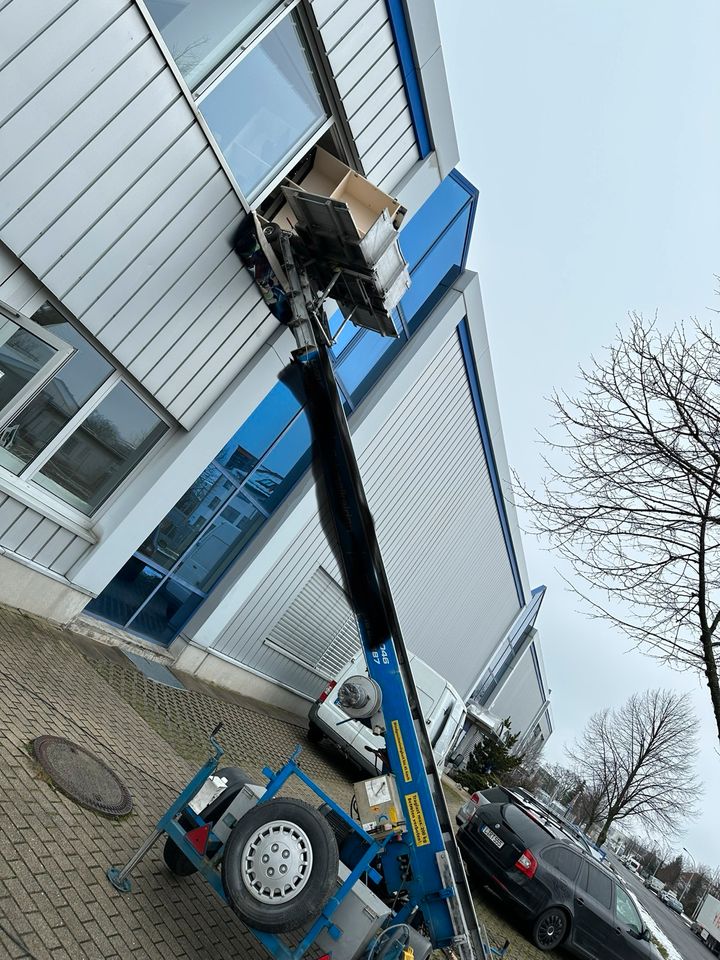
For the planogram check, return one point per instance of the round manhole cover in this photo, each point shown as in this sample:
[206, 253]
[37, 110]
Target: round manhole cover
[81, 776]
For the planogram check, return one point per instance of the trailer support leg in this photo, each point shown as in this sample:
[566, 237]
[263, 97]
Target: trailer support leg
[120, 877]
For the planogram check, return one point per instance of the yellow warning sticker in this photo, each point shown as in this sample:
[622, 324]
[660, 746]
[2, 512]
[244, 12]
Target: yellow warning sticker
[404, 765]
[417, 820]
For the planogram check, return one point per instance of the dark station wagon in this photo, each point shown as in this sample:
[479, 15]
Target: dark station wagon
[568, 897]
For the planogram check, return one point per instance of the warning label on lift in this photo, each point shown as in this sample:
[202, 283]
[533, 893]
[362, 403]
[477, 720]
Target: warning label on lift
[404, 765]
[417, 820]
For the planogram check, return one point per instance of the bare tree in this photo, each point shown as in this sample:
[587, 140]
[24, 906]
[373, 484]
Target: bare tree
[632, 492]
[641, 759]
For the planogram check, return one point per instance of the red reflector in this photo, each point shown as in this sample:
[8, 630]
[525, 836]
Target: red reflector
[321, 699]
[527, 864]
[475, 798]
[199, 838]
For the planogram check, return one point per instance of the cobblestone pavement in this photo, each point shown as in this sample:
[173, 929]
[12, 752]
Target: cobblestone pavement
[55, 901]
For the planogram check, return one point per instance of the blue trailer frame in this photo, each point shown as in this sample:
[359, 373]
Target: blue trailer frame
[169, 825]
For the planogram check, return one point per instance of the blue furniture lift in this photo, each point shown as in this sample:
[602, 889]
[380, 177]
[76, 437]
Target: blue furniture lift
[419, 855]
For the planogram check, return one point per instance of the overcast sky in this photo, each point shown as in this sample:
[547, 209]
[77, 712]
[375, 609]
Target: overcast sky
[592, 130]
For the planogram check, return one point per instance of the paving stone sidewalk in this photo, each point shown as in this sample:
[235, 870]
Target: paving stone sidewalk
[55, 901]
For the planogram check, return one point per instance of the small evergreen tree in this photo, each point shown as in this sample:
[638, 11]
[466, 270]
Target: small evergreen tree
[491, 759]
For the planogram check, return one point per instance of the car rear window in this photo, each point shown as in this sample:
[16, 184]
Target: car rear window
[529, 831]
[599, 886]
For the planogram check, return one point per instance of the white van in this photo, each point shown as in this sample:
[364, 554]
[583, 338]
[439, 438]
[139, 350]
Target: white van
[441, 704]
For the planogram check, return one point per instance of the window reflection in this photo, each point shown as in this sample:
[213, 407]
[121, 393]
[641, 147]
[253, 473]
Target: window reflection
[167, 612]
[364, 363]
[188, 518]
[126, 592]
[260, 430]
[283, 466]
[22, 356]
[223, 540]
[199, 34]
[103, 449]
[422, 230]
[266, 108]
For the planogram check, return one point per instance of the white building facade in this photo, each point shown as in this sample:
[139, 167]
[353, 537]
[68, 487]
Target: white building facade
[154, 460]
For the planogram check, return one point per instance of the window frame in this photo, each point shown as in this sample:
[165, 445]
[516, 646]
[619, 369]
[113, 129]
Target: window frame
[23, 482]
[63, 352]
[335, 121]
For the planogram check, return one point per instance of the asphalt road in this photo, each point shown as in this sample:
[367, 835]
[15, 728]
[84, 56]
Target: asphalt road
[675, 929]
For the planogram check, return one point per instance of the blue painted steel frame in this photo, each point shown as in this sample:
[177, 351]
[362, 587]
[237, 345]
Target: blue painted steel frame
[409, 70]
[208, 866]
[474, 381]
[422, 823]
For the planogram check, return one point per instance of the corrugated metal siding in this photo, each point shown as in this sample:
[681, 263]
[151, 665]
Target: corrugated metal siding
[31, 535]
[519, 698]
[17, 284]
[110, 193]
[429, 489]
[364, 63]
[318, 628]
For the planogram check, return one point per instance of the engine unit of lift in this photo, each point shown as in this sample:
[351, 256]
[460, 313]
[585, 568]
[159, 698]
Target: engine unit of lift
[378, 802]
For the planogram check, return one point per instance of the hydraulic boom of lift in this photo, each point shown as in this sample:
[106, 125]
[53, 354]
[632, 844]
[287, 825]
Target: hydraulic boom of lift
[403, 846]
[436, 877]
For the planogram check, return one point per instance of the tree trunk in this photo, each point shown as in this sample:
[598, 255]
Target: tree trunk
[602, 836]
[711, 673]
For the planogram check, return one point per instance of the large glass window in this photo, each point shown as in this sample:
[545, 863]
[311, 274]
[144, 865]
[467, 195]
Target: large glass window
[188, 518]
[283, 466]
[260, 430]
[200, 34]
[79, 429]
[223, 540]
[431, 279]
[266, 107]
[104, 448]
[167, 611]
[364, 360]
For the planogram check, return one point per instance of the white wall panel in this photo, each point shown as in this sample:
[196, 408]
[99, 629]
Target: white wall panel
[437, 522]
[29, 534]
[365, 66]
[519, 697]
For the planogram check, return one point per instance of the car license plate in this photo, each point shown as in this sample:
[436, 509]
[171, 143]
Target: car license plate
[493, 837]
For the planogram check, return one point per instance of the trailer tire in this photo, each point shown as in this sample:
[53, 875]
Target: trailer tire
[175, 859]
[280, 865]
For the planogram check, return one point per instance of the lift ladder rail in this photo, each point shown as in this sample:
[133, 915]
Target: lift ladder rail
[439, 884]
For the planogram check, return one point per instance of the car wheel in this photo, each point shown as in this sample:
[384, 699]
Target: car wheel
[280, 865]
[314, 733]
[549, 929]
